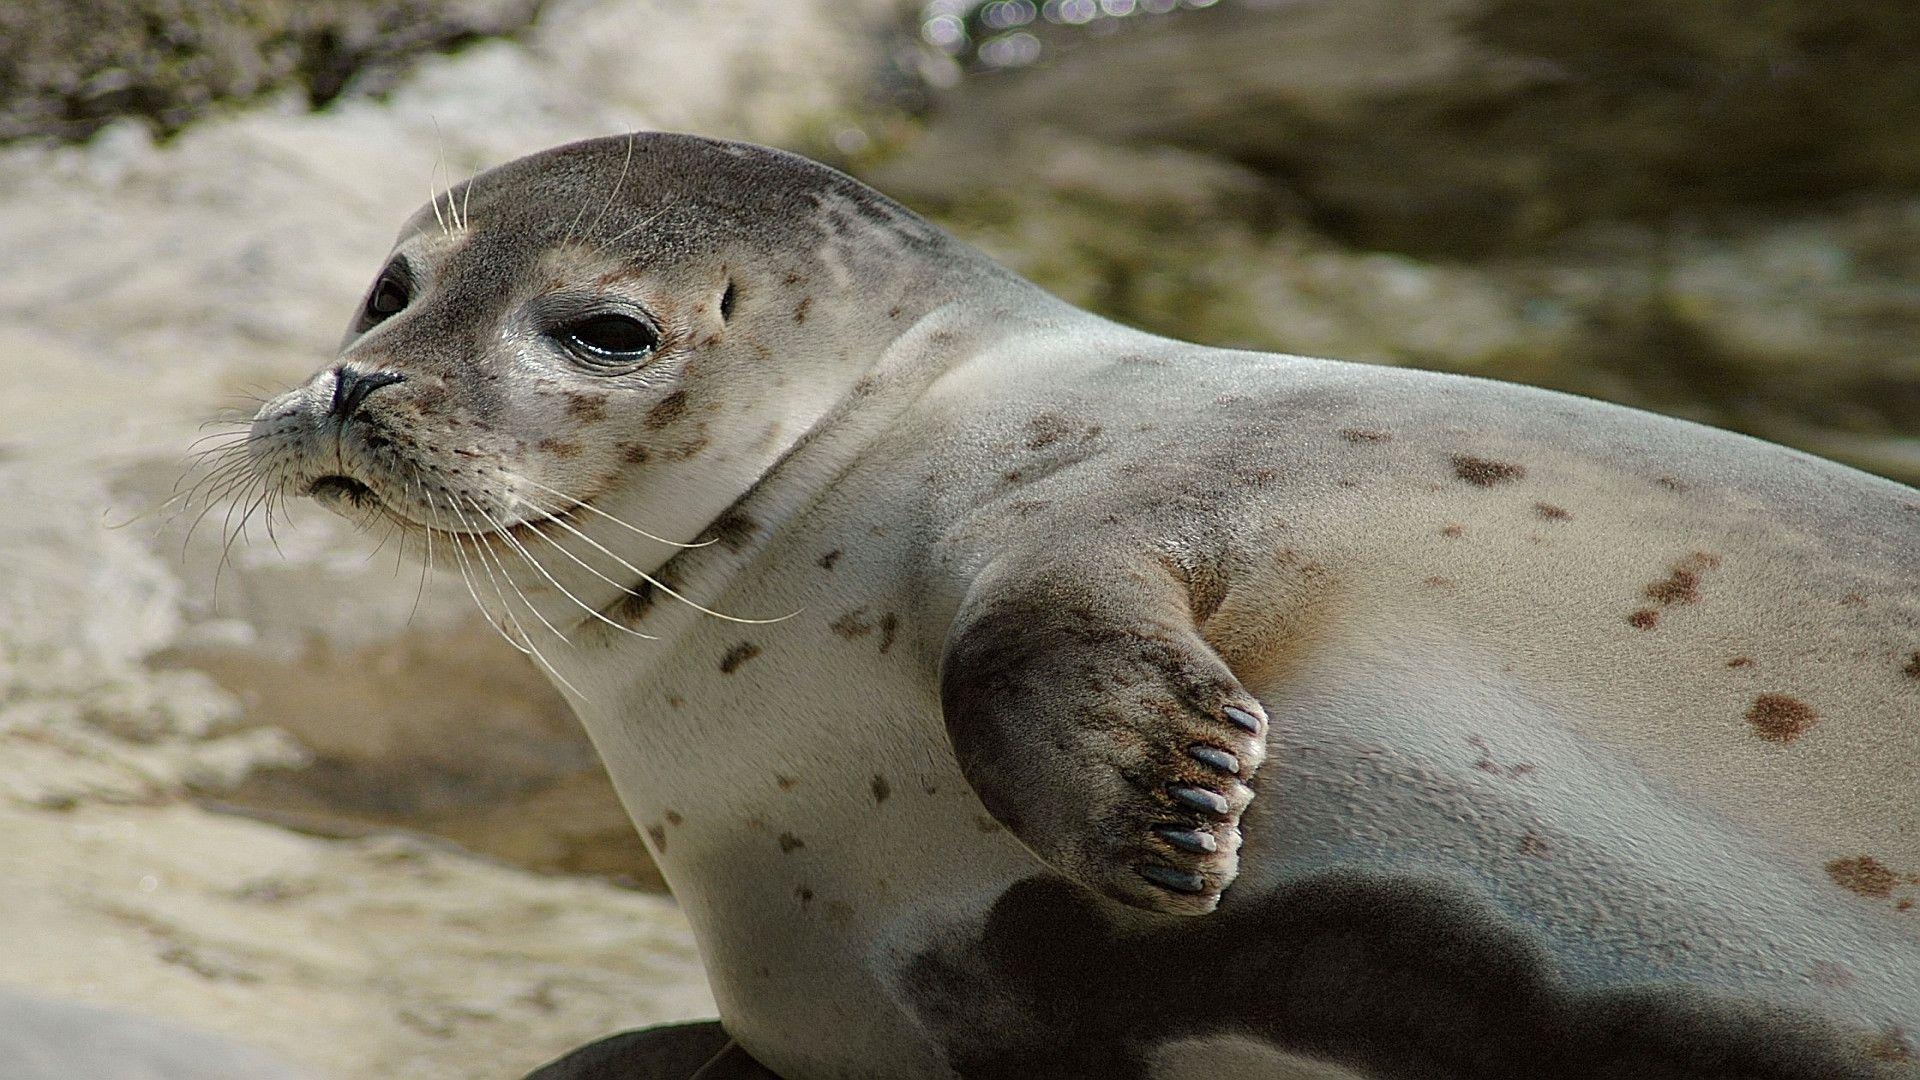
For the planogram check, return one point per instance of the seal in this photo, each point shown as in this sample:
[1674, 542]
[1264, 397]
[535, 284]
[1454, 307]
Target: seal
[1006, 692]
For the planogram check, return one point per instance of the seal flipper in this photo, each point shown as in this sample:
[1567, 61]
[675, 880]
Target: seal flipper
[1094, 722]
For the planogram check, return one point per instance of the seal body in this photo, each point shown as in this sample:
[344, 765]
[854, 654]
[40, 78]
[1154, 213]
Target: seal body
[1132, 708]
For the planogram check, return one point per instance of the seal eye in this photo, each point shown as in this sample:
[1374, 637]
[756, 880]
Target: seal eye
[609, 339]
[389, 297]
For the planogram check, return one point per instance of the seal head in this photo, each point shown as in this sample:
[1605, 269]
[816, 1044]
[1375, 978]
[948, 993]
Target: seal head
[636, 326]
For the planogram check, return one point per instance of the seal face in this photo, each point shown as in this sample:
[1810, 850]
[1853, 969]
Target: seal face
[1004, 692]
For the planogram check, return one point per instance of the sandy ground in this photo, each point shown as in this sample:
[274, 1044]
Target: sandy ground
[145, 287]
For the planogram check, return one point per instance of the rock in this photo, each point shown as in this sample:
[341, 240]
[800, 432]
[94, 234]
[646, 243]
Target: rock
[1468, 127]
[49, 1040]
[378, 957]
[70, 67]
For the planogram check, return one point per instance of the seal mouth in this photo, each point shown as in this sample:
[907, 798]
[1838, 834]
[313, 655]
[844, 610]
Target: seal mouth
[337, 488]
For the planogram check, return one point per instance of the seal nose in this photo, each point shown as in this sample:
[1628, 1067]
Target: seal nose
[352, 385]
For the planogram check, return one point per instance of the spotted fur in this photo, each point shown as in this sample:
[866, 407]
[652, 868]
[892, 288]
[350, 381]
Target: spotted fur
[1519, 813]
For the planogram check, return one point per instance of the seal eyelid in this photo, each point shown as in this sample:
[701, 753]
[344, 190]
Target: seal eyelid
[608, 339]
[726, 302]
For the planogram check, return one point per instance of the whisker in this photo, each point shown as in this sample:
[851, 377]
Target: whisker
[583, 605]
[433, 199]
[618, 183]
[226, 549]
[482, 550]
[661, 585]
[629, 230]
[159, 507]
[578, 504]
[487, 542]
[465, 566]
[426, 568]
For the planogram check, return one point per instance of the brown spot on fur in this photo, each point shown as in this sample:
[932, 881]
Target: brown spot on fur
[785, 783]
[1048, 428]
[1438, 582]
[1905, 904]
[1912, 670]
[831, 557]
[1646, 618]
[1452, 530]
[1679, 587]
[1863, 875]
[986, 824]
[851, 625]
[1832, 975]
[1483, 473]
[559, 448]
[738, 655]
[1740, 661]
[1532, 844]
[804, 894]
[1892, 1045]
[675, 701]
[633, 453]
[880, 788]
[658, 835]
[667, 410]
[674, 818]
[893, 312]
[800, 309]
[587, 408]
[700, 441]
[1854, 599]
[733, 529]
[1671, 484]
[889, 624]
[1362, 435]
[792, 278]
[1552, 512]
[790, 843]
[1682, 583]
[1780, 718]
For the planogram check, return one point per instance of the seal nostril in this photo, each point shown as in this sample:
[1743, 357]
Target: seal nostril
[352, 385]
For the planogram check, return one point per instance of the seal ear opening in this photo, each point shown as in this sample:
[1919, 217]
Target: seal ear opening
[726, 302]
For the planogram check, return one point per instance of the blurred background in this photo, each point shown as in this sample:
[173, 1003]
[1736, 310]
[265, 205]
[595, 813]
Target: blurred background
[258, 790]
